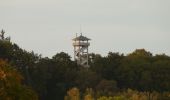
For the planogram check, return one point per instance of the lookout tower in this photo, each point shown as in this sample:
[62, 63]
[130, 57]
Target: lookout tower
[81, 52]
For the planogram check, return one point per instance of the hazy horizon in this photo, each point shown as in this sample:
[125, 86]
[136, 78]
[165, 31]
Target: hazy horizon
[48, 26]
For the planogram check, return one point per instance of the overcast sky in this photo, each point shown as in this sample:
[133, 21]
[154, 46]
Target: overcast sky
[48, 26]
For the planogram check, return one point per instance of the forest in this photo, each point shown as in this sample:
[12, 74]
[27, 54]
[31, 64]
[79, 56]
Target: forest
[139, 75]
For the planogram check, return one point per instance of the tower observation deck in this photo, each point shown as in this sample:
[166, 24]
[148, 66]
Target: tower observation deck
[81, 51]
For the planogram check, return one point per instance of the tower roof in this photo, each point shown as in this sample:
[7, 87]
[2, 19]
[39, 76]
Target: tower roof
[81, 38]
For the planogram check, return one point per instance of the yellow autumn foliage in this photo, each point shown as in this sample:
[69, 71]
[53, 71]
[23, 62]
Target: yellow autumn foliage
[11, 87]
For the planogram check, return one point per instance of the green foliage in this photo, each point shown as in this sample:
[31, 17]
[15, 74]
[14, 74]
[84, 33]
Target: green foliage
[106, 87]
[86, 79]
[10, 85]
[141, 53]
[107, 76]
[52, 77]
[5, 50]
[107, 66]
[61, 57]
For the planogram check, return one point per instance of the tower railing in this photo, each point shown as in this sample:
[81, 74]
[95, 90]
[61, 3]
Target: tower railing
[81, 44]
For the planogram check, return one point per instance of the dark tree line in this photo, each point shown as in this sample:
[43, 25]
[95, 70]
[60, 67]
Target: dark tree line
[52, 77]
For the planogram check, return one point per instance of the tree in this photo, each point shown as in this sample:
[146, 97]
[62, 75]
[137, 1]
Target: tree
[160, 75]
[73, 94]
[62, 57]
[52, 77]
[107, 66]
[86, 79]
[19, 58]
[11, 87]
[141, 53]
[5, 50]
[89, 95]
[107, 87]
